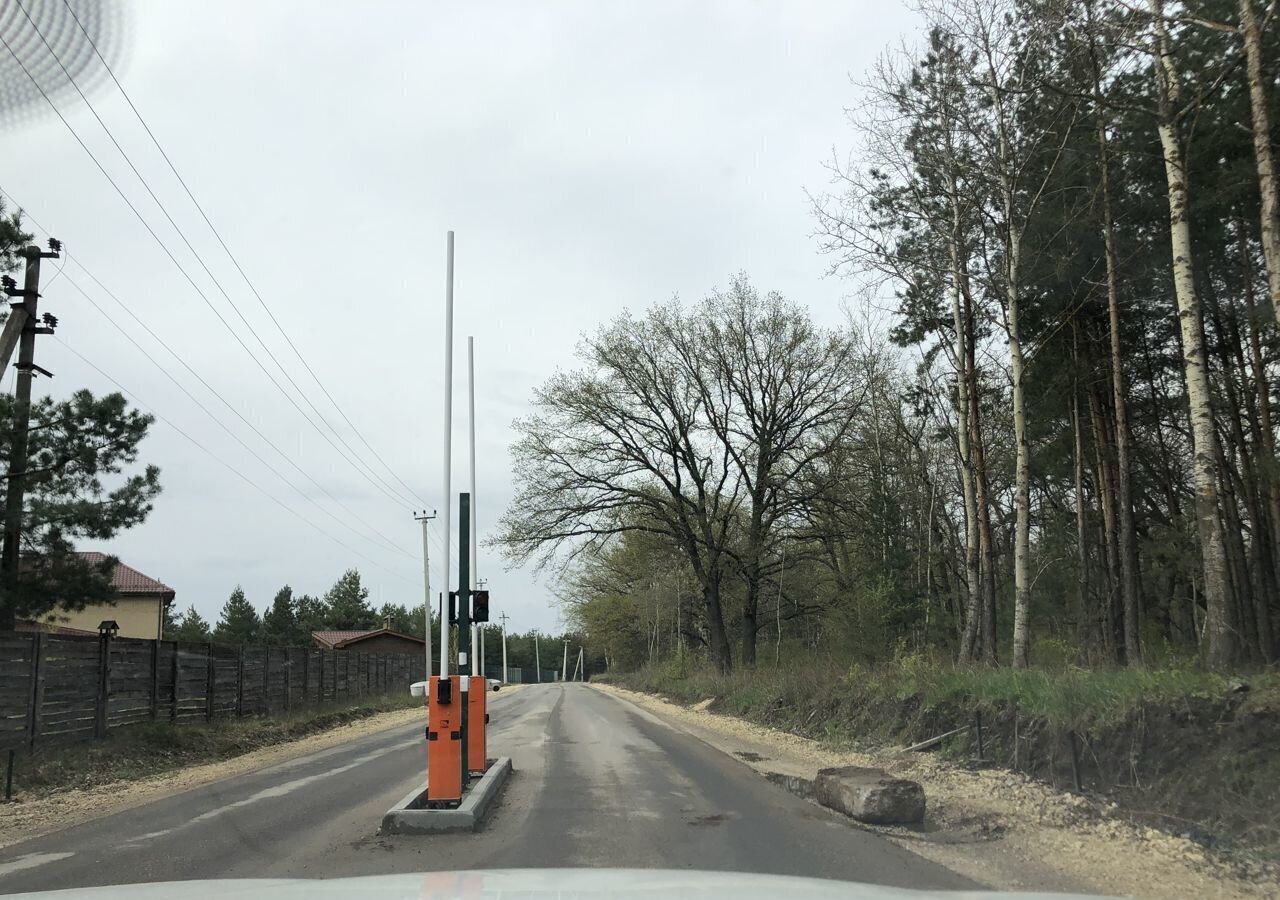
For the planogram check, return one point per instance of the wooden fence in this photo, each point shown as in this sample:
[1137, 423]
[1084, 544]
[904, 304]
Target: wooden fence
[56, 688]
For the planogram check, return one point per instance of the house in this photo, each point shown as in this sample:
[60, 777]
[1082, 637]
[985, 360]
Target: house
[138, 610]
[379, 640]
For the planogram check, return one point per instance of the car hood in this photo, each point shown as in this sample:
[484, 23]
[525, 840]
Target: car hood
[529, 884]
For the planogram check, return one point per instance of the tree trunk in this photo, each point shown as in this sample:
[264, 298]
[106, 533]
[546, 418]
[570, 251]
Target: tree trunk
[718, 639]
[1083, 633]
[1251, 36]
[973, 600]
[1021, 479]
[1125, 529]
[982, 493]
[1113, 616]
[1221, 651]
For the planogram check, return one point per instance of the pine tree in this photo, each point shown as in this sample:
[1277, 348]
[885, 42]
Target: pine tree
[239, 622]
[348, 604]
[280, 622]
[190, 626]
[311, 615]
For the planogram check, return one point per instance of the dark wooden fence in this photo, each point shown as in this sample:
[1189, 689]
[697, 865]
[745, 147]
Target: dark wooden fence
[56, 688]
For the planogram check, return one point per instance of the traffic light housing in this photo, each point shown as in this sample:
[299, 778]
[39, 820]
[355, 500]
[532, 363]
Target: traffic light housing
[453, 607]
[480, 606]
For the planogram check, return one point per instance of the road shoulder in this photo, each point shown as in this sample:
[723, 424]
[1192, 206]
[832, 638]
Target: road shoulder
[25, 820]
[994, 827]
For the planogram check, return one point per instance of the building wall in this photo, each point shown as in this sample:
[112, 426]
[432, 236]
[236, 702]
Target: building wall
[385, 643]
[138, 617]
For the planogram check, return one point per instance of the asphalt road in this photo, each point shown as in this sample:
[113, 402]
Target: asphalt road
[598, 782]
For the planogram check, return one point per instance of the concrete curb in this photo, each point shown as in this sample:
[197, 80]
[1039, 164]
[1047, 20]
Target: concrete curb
[407, 816]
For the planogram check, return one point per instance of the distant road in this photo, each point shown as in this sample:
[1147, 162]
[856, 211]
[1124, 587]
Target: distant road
[597, 783]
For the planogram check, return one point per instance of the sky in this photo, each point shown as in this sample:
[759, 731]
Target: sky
[590, 157]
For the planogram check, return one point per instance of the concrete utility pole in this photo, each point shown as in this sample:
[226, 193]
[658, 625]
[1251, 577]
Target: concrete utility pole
[426, 582]
[448, 442]
[537, 657]
[26, 366]
[564, 666]
[503, 617]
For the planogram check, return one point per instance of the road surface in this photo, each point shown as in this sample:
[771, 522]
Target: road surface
[598, 782]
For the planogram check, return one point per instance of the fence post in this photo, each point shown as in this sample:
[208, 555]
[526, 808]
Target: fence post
[320, 681]
[209, 685]
[240, 682]
[266, 680]
[37, 688]
[287, 676]
[177, 671]
[155, 679]
[104, 684]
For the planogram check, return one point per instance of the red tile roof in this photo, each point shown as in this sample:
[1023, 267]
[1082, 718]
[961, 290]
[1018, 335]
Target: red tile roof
[127, 580]
[336, 639]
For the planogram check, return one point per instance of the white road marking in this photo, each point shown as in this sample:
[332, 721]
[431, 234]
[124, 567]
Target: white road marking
[270, 793]
[30, 861]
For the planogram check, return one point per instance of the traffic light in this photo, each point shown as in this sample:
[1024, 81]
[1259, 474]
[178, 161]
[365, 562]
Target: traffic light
[453, 607]
[480, 606]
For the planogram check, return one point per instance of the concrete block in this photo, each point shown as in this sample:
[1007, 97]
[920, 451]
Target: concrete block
[870, 795]
[409, 817]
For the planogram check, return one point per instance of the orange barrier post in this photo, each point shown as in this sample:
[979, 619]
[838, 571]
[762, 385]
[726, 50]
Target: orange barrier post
[477, 724]
[444, 739]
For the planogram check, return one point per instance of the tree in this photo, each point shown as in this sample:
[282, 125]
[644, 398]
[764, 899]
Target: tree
[190, 627]
[77, 447]
[312, 615]
[347, 604]
[622, 445]
[12, 238]
[167, 622]
[238, 623]
[280, 621]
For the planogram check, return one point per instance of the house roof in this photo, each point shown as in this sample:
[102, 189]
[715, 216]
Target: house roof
[128, 580]
[335, 640]
[48, 628]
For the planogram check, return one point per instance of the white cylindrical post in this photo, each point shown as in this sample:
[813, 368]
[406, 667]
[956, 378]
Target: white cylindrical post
[504, 648]
[564, 666]
[471, 417]
[448, 441]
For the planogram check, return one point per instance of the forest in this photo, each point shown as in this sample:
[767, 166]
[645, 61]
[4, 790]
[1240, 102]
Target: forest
[1044, 430]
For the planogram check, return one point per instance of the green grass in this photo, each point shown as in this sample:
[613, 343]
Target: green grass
[150, 749]
[1066, 697]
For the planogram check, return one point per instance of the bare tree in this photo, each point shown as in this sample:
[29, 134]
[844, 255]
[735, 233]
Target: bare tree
[622, 445]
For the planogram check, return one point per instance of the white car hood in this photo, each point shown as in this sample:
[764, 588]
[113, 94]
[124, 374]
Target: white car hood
[530, 884]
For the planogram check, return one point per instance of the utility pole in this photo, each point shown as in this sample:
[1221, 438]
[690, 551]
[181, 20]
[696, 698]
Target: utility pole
[504, 617]
[537, 657]
[426, 581]
[26, 366]
[564, 666]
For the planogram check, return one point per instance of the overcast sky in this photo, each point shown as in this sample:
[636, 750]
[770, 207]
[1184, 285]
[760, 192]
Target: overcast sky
[591, 157]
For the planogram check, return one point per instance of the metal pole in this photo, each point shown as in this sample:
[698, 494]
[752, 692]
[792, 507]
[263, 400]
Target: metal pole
[471, 424]
[426, 581]
[503, 617]
[448, 439]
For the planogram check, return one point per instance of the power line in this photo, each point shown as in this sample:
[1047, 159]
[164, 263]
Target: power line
[31, 219]
[243, 477]
[231, 256]
[354, 459]
[385, 540]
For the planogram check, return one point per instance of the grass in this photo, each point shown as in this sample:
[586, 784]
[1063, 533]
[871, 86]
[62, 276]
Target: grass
[1066, 697]
[153, 748]
[1168, 744]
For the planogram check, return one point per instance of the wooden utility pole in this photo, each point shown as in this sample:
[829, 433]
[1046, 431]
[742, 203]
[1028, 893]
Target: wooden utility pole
[15, 492]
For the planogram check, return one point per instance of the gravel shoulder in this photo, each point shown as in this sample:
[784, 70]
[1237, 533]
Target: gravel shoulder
[993, 826]
[34, 817]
